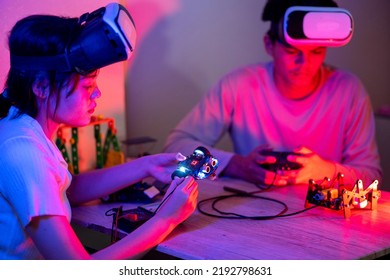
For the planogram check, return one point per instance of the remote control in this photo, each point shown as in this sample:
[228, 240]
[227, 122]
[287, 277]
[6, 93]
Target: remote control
[281, 161]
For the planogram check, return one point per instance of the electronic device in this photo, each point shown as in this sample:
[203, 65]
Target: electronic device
[281, 161]
[338, 196]
[317, 26]
[200, 165]
[107, 35]
[129, 220]
[138, 192]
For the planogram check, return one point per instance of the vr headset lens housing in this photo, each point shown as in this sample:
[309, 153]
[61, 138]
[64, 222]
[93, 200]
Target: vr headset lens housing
[317, 26]
[107, 36]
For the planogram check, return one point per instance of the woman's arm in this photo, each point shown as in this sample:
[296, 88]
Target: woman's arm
[102, 182]
[55, 238]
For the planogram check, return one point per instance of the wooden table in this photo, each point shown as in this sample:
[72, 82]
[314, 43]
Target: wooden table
[319, 233]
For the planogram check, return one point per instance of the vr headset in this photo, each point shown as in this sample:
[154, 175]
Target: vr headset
[107, 36]
[316, 26]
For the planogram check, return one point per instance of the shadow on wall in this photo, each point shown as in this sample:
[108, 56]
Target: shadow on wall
[150, 98]
[383, 135]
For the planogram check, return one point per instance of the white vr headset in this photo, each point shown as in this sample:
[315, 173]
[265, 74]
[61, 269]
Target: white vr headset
[317, 26]
[107, 36]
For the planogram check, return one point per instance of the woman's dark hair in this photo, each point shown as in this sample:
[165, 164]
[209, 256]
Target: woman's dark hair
[37, 35]
[274, 11]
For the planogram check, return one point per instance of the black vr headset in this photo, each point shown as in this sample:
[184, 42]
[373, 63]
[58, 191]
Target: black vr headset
[107, 36]
[316, 26]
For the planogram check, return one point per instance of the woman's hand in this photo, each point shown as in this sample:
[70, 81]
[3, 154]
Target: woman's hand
[161, 166]
[179, 201]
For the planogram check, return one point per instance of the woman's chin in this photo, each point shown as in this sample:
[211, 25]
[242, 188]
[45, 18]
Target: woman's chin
[82, 122]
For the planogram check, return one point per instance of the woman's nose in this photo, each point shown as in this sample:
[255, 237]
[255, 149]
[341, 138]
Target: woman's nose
[96, 93]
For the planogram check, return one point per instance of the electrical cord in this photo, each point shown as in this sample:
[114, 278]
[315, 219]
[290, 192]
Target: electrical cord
[267, 187]
[239, 193]
[262, 188]
[117, 213]
[165, 199]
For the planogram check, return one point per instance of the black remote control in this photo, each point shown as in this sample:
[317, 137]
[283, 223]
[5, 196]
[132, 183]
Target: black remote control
[281, 161]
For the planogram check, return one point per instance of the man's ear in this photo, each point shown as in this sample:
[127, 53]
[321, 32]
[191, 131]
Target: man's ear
[41, 86]
[268, 44]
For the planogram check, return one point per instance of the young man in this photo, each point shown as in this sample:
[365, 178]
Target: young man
[294, 103]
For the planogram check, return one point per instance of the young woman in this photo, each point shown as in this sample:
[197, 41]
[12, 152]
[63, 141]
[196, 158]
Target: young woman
[36, 188]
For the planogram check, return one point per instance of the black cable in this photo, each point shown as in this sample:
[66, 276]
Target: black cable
[165, 199]
[267, 187]
[285, 208]
[115, 213]
[240, 193]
